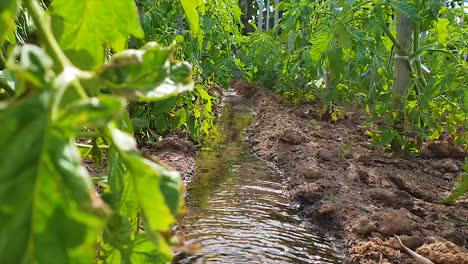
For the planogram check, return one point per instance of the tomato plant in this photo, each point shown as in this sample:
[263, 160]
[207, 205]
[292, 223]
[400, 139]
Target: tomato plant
[207, 41]
[352, 51]
[66, 77]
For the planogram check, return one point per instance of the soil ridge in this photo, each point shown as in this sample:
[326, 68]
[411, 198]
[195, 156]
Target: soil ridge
[356, 192]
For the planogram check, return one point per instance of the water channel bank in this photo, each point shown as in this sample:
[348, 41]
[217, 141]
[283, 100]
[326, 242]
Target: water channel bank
[356, 191]
[351, 190]
[238, 211]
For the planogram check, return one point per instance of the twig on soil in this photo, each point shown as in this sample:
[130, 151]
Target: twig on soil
[420, 259]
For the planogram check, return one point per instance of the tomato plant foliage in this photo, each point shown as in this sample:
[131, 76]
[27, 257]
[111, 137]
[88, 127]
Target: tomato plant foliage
[65, 99]
[70, 89]
[414, 89]
[346, 51]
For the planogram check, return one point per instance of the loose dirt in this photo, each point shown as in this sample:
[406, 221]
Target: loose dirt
[356, 192]
[175, 151]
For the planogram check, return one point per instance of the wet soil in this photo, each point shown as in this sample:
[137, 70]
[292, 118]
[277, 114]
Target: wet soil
[357, 192]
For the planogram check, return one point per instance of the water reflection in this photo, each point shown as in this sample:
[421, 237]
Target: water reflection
[237, 211]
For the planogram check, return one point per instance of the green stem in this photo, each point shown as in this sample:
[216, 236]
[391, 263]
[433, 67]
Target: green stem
[42, 23]
[88, 134]
[386, 30]
[416, 36]
[357, 6]
[8, 89]
[2, 60]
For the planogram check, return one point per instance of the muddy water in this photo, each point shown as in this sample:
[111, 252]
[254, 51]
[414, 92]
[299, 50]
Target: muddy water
[237, 209]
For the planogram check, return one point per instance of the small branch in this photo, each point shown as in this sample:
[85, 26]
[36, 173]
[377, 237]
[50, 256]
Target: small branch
[88, 134]
[420, 259]
[390, 36]
[387, 31]
[42, 23]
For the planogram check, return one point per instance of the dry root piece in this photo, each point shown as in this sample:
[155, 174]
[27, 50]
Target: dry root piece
[420, 259]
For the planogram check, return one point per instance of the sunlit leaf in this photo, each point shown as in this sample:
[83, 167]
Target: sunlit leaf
[147, 74]
[191, 8]
[406, 9]
[47, 202]
[83, 27]
[442, 33]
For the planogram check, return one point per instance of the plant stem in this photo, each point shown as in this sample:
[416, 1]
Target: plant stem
[2, 60]
[42, 23]
[356, 7]
[5, 86]
[416, 36]
[88, 134]
[402, 73]
[385, 28]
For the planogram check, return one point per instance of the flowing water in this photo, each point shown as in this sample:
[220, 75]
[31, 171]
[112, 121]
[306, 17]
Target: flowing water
[237, 209]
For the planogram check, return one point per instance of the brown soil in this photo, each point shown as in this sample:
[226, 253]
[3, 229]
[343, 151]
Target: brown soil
[356, 192]
[175, 151]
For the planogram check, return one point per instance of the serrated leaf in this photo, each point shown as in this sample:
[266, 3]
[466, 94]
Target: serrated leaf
[406, 9]
[147, 74]
[47, 202]
[83, 27]
[157, 190]
[150, 249]
[386, 138]
[191, 11]
[442, 33]
[320, 44]
[343, 36]
[121, 197]
[147, 181]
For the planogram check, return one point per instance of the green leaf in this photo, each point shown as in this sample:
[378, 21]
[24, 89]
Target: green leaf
[121, 195]
[191, 11]
[142, 249]
[146, 250]
[343, 36]
[33, 68]
[47, 201]
[138, 185]
[91, 112]
[147, 74]
[386, 138]
[406, 9]
[147, 180]
[442, 26]
[320, 44]
[157, 190]
[83, 27]
[8, 10]
[180, 119]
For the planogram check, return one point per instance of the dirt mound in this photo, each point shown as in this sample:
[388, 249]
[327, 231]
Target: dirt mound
[175, 151]
[351, 189]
